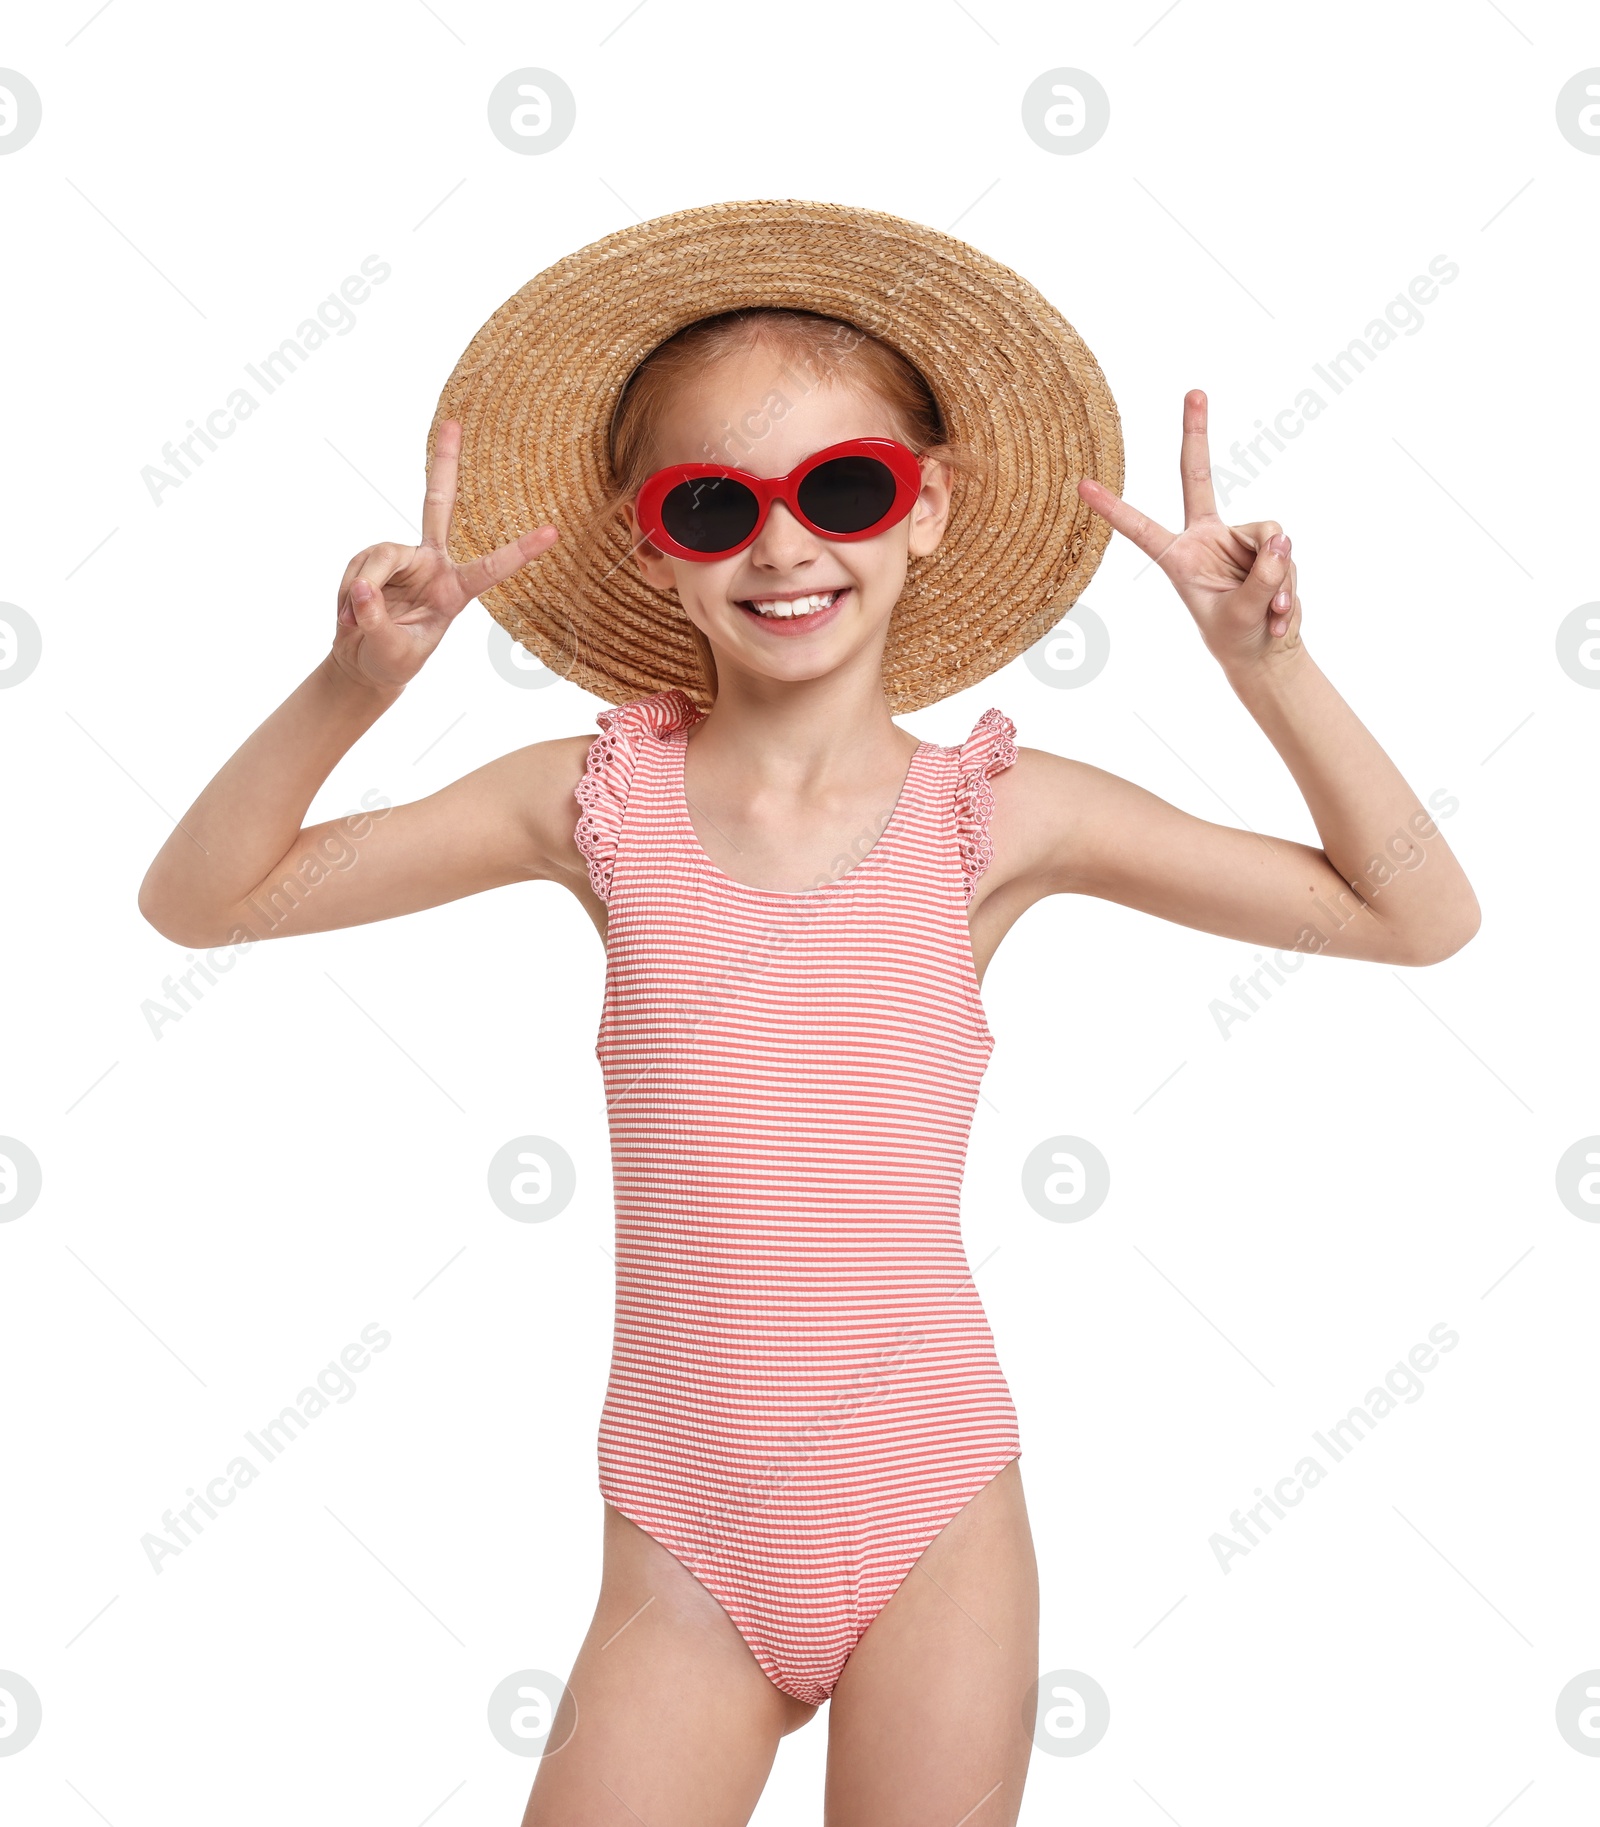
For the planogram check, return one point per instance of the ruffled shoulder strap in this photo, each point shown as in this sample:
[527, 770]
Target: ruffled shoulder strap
[602, 793]
[991, 748]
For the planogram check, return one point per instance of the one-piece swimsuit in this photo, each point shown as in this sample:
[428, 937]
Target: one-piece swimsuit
[803, 1388]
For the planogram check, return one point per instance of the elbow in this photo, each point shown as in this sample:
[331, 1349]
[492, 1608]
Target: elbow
[153, 913]
[1446, 939]
[157, 911]
[168, 927]
[178, 924]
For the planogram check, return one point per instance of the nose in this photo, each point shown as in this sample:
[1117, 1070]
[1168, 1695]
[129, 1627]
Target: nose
[784, 543]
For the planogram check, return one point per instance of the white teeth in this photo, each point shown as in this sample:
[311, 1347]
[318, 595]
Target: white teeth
[798, 605]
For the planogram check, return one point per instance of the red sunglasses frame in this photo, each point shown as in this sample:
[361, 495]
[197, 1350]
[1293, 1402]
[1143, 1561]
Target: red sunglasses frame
[902, 463]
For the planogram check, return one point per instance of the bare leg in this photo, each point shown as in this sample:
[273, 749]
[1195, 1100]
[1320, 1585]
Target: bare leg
[927, 1720]
[676, 1724]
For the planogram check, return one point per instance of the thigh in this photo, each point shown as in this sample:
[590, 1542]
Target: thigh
[668, 1717]
[926, 1723]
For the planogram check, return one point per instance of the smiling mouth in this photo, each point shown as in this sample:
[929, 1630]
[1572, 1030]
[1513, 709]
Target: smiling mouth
[790, 608]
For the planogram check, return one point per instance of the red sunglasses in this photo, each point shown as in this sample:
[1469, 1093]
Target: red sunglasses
[706, 511]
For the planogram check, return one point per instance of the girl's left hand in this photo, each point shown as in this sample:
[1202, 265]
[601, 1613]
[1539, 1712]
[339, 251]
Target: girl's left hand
[1238, 583]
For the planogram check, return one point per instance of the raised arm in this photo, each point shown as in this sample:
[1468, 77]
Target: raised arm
[241, 864]
[1385, 886]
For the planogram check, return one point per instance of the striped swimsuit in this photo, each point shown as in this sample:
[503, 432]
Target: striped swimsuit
[803, 1388]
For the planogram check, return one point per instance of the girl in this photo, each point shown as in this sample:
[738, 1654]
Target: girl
[808, 1451]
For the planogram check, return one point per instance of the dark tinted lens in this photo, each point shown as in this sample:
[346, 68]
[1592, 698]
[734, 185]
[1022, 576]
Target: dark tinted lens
[847, 494]
[709, 514]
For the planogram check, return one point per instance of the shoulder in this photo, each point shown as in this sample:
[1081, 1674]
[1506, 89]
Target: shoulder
[990, 747]
[562, 801]
[610, 763]
[1047, 809]
[531, 791]
[551, 784]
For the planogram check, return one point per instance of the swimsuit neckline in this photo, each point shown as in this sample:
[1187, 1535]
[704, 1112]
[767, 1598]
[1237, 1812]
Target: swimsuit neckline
[679, 799]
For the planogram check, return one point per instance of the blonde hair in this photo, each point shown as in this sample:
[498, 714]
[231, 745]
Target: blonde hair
[828, 350]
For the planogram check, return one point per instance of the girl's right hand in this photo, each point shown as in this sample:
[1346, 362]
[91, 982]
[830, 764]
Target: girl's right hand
[395, 602]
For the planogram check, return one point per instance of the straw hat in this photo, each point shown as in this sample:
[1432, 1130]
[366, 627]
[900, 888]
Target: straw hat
[538, 385]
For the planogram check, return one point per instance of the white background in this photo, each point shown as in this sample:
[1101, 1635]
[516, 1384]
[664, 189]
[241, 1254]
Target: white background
[1292, 1208]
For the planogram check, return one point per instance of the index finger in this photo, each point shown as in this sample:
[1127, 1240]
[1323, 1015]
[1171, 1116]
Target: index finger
[496, 566]
[1195, 460]
[1150, 536]
[438, 503]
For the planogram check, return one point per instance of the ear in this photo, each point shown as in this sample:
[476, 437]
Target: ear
[654, 567]
[930, 513]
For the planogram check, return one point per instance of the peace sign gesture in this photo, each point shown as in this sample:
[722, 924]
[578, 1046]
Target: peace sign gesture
[395, 602]
[1238, 583]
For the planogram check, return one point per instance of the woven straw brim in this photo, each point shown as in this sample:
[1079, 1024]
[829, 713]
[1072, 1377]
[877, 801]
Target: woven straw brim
[538, 386]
